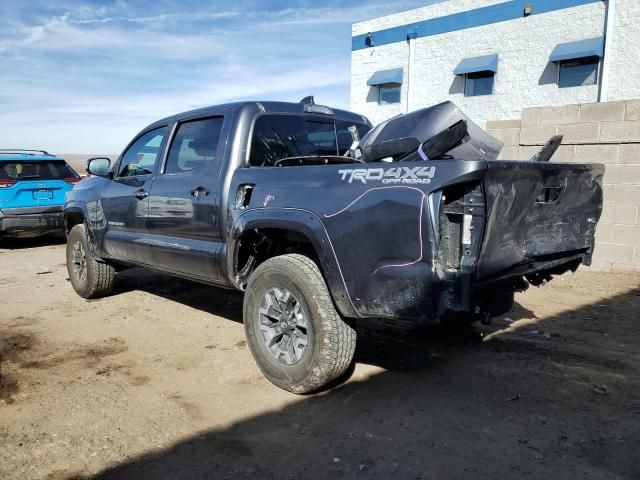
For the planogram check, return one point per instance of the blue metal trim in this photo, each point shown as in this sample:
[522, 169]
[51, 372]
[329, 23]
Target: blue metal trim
[501, 12]
[486, 63]
[591, 47]
[384, 77]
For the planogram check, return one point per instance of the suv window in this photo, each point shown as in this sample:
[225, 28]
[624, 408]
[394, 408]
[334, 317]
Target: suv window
[195, 145]
[35, 170]
[142, 156]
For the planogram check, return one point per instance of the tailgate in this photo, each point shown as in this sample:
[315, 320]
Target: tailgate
[538, 211]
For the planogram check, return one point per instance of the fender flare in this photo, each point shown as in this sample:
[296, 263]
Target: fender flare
[78, 207]
[306, 223]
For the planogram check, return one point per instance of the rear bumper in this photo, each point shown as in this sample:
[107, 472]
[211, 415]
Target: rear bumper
[14, 224]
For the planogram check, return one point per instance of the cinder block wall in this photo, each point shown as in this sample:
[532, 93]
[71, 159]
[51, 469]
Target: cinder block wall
[606, 133]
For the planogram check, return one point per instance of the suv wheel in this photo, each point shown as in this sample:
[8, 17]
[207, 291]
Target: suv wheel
[89, 277]
[295, 334]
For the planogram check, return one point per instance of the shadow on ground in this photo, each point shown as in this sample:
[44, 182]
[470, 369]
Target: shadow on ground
[215, 301]
[557, 399]
[11, 243]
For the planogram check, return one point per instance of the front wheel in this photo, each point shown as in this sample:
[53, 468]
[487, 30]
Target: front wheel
[89, 277]
[294, 332]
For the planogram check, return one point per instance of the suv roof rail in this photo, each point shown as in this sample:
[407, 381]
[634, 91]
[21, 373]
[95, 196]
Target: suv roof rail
[19, 151]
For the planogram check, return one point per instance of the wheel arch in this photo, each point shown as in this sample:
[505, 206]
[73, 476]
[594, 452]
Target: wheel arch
[74, 214]
[260, 234]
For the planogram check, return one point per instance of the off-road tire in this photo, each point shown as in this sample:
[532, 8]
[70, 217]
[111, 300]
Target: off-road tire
[99, 278]
[332, 342]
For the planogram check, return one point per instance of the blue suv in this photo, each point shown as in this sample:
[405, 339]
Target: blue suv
[33, 185]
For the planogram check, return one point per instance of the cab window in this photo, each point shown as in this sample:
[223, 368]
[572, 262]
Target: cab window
[141, 157]
[195, 146]
[276, 137]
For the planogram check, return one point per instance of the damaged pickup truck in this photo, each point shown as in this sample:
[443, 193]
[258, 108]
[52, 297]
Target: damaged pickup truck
[324, 221]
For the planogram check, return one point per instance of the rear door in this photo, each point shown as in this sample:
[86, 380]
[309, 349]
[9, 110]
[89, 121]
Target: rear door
[126, 199]
[34, 186]
[184, 202]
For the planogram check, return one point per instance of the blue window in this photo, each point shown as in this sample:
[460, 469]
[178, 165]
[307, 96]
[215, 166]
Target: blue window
[388, 83]
[578, 62]
[478, 83]
[577, 73]
[389, 94]
[478, 73]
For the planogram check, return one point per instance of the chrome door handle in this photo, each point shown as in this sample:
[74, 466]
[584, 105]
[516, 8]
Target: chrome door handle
[141, 194]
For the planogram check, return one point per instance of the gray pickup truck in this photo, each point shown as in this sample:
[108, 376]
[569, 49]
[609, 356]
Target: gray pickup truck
[324, 221]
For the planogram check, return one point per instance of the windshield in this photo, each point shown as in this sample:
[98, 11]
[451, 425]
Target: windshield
[35, 170]
[276, 137]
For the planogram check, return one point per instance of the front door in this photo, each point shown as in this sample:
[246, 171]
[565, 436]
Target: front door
[125, 201]
[184, 215]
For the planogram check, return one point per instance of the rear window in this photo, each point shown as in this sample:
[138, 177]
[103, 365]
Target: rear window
[276, 137]
[35, 170]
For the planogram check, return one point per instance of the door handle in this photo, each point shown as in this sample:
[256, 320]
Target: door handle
[141, 194]
[198, 190]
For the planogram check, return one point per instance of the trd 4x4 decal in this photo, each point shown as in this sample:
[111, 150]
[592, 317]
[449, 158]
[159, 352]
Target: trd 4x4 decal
[391, 176]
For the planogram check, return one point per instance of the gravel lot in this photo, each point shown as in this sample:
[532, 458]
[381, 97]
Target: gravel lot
[157, 382]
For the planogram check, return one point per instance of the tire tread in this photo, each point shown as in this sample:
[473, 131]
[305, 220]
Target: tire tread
[100, 275]
[339, 338]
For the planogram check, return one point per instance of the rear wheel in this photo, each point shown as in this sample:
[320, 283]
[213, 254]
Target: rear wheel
[295, 334]
[89, 277]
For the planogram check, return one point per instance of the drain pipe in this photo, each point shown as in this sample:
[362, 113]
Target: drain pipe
[609, 27]
[411, 39]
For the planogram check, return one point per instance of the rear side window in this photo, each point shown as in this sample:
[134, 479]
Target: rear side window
[195, 146]
[35, 170]
[284, 136]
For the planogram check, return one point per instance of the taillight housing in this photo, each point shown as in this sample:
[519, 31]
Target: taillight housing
[72, 180]
[6, 183]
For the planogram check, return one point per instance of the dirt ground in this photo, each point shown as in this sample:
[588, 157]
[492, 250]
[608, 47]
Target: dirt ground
[156, 382]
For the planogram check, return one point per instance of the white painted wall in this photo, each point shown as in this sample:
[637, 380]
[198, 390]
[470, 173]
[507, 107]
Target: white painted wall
[624, 79]
[525, 77]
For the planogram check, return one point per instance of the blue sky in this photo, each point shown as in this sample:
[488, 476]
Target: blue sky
[85, 76]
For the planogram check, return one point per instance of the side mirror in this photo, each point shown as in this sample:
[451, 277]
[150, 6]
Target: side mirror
[98, 166]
